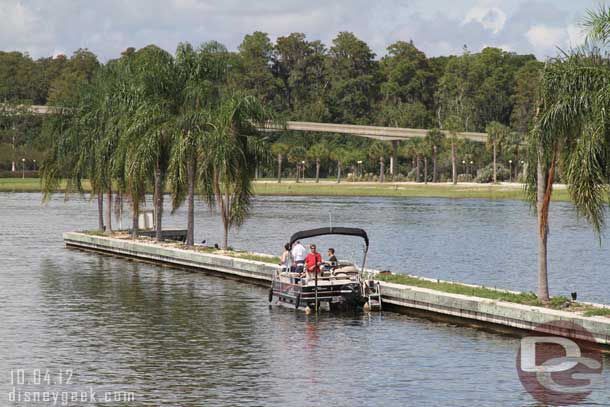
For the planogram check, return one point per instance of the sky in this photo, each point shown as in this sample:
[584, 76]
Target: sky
[438, 27]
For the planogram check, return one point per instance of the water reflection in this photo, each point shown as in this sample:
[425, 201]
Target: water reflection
[183, 338]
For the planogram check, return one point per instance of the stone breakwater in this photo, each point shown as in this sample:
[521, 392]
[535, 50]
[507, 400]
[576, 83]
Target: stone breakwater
[461, 308]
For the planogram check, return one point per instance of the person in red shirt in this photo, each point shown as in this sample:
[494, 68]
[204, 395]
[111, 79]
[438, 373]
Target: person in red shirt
[313, 261]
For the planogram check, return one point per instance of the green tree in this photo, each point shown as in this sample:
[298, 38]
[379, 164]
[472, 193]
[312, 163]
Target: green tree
[300, 65]
[201, 76]
[525, 96]
[296, 156]
[152, 95]
[435, 139]
[341, 156]
[408, 77]
[354, 79]
[236, 145]
[570, 133]
[318, 153]
[378, 151]
[78, 70]
[454, 124]
[253, 71]
[497, 133]
[280, 150]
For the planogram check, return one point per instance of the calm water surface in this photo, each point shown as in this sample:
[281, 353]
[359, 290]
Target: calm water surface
[180, 338]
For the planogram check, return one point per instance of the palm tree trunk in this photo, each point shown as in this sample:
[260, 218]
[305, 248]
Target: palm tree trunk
[495, 164]
[338, 173]
[434, 157]
[226, 222]
[425, 170]
[418, 169]
[543, 198]
[100, 211]
[381, 170]
[279, 168]
[453, 164]
[158, 203]
[109, 211]
[298, 172]
[317, 170]
[191, 169]
[135, 212]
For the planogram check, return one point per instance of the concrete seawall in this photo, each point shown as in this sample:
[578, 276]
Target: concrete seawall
[498, 314]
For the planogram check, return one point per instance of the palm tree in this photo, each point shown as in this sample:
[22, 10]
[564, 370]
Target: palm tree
[435, 139]
[497, 133]
[454, 124]
[570, 133]
[231, 161]
[318, 152]
[280, 150]
[296, 156]
[377, 152]
[150, 127]
[341, 156]
[83, 141]
[200, 75]
[513, 145]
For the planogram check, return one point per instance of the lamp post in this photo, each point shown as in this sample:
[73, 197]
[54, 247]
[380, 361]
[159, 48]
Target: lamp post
[303, 169]
[464, 165]
[510, 169]
[23, 168]
[34, 161]
[359, 162]
[522, 169]
[470, 167]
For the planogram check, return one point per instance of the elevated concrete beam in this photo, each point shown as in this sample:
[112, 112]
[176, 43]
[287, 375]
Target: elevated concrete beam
[375, 132]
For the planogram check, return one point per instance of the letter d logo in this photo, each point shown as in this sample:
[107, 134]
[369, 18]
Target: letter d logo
[556, 370]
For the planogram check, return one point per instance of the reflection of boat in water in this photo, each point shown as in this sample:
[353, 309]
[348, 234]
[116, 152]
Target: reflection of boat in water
[342, 285]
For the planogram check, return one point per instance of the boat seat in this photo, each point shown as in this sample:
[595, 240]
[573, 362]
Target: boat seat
[345, 269]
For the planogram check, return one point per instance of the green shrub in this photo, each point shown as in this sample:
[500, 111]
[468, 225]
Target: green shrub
[465, 178]
[486, 174]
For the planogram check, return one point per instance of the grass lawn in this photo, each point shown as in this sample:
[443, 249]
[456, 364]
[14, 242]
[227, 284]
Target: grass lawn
[331, 188]
[559, 302]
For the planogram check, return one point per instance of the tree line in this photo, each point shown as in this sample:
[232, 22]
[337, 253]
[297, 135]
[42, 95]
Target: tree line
[300, 79]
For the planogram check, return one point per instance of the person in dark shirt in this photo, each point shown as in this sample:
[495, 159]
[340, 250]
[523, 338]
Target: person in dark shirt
[332, 259]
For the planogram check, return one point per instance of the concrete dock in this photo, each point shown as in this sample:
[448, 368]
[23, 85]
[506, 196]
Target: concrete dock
[493, 314]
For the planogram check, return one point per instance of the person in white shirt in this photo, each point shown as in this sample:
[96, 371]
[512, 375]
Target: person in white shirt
[299, 252]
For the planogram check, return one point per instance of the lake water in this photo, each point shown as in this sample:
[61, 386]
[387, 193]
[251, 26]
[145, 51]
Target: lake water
[178, 338]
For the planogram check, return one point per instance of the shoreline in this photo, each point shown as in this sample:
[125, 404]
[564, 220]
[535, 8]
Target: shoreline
[327, 187]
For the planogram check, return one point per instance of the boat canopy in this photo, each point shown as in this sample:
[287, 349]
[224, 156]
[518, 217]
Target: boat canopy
[304, 234]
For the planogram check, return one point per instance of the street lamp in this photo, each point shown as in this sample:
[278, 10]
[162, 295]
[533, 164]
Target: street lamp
[470, 167]
[23, 168]
[34, 165]
[359, 164]
[510, 169]
[303, 169]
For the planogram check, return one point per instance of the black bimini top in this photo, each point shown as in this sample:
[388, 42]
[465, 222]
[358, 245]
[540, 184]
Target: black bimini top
[304, 234]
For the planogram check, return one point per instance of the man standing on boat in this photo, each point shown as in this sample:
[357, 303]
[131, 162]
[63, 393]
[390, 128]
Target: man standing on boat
[298, 255]
[313, 262]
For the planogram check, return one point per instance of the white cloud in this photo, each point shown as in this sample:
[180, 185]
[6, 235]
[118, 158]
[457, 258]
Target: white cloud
[491, 18]
[438, 27]
[16, 18]
[543, 37]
